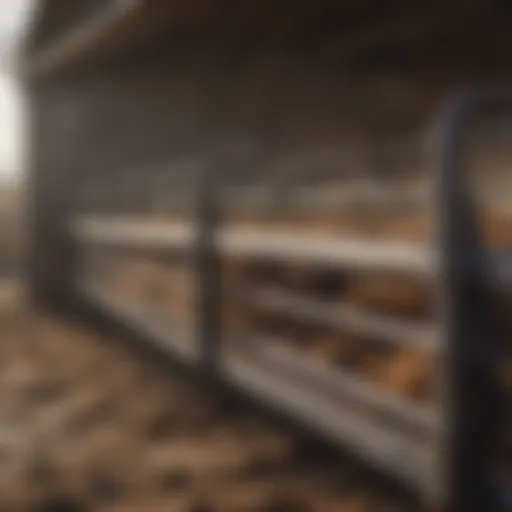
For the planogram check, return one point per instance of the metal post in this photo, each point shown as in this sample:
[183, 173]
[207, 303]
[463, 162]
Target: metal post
[54, 164]
[208, 268]
[469, 327]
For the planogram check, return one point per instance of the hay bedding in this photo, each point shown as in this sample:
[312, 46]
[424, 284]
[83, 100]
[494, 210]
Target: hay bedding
[84, 425]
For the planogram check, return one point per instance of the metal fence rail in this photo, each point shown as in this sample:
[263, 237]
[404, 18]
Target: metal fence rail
[344, 317]
[311, 249]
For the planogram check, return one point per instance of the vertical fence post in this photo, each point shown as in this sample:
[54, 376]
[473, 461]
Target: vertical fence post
[207, 261]
[34, 205]
[51, 259]
[469, 328]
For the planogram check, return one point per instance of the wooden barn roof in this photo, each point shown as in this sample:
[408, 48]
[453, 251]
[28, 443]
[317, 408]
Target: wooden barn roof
[68, 34]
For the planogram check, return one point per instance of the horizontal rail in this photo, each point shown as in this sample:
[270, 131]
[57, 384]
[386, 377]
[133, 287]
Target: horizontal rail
[326, 413]
[401, 333]
[258, 243]
[137, 234]
[388, 451]
[343, 317]
[305, 248]
[338, 382]
[145, 321]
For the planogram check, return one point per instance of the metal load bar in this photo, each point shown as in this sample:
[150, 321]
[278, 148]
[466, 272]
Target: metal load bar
[325, 409]
[343, 317]
[310, 249]
[362, 393]
[390, 451]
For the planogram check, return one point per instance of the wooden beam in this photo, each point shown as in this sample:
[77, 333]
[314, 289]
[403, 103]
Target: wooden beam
[112, 27]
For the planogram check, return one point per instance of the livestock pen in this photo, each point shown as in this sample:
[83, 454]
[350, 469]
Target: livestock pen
[304, 202]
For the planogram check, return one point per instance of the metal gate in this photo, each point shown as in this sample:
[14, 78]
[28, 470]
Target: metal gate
[447, 452]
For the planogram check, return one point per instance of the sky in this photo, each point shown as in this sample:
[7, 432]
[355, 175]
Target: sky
[13, 15]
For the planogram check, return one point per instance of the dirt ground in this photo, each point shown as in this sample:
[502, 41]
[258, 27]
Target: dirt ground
[87, 425]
